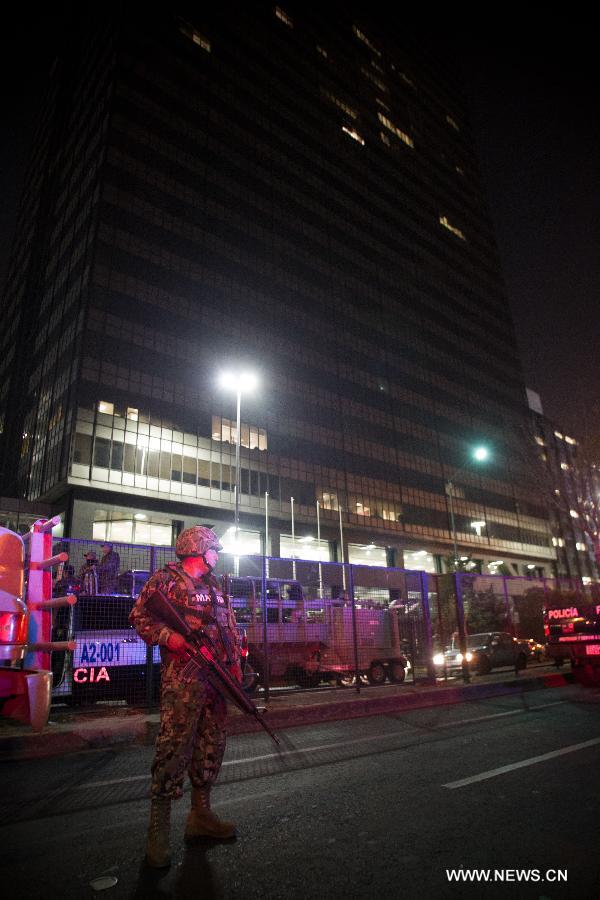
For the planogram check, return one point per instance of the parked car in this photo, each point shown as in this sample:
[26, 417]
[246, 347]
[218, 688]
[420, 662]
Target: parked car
[532, 648]
[486, 651]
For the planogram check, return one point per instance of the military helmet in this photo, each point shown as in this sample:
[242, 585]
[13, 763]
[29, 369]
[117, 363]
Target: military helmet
[195, 541]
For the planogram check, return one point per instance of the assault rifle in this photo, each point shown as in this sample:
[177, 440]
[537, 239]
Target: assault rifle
[203, 657]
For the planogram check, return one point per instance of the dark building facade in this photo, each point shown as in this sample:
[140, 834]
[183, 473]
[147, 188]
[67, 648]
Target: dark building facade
[286, 190]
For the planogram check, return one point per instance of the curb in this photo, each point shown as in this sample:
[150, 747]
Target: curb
[142, 728]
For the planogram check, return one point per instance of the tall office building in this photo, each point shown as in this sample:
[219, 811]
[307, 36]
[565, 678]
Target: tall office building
[292, 191]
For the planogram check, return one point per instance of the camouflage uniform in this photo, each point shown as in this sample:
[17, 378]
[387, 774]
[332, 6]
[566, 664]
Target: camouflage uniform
[192, 713]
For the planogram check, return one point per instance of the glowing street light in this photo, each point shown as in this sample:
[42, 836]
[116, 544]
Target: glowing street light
[241, 383]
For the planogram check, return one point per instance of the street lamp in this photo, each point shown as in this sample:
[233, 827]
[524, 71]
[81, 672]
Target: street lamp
[479, 454]
[241, 383]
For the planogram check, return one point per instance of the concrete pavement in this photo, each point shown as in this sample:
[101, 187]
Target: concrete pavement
[71, 731]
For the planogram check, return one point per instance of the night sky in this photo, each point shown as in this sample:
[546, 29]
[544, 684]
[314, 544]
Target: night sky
[534, 111]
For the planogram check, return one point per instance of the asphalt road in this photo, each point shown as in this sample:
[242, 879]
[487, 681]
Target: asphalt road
[367, 808]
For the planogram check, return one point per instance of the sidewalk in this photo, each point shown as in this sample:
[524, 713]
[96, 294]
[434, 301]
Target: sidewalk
[71, 731]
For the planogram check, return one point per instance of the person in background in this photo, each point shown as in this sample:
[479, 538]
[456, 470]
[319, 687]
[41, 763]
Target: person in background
[88, 574]
[108, 570]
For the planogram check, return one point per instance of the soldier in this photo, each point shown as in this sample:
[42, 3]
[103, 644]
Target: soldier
[108, 569]
[192, 712]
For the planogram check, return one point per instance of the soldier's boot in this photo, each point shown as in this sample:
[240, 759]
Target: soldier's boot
[202, 821]
[158, 855]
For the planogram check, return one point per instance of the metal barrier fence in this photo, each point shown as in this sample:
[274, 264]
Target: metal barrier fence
[308, 623]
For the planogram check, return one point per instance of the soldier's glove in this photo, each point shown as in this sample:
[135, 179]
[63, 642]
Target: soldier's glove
[177, 644]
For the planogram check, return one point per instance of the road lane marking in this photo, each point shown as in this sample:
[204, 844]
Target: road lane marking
[532, 761]
[362, 740]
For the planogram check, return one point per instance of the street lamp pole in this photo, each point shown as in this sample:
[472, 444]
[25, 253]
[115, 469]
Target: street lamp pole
[450, 492]
[480, 454]
[239, 382]
[238, 471]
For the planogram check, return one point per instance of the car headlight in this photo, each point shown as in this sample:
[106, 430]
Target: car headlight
[459, 658]
[438, 659]
[468, 656]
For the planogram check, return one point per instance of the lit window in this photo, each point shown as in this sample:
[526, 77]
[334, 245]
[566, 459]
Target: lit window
[354, 135]
[459, 170]
[540, 441]
[574, 514]
[362, 37]
[132, 413]
[380, 103]
[374, 80]
[304, 547]
[340, 104]
[407, 79]
[108, 408]
[559, 435]
[283, 17]
[452, 123]
[199, 39]
[391, 127]
[329, 500]
[570, 440]
[385, 139]
[322, 51]
[565, 466]
[580, 546]
[367, 555]
[444, 221]
[252, 437]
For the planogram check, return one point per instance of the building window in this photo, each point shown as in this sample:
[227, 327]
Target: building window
[367, 555]
[132, 413]
[199, 39]
[419, 560]
[444, 221]
[283, 17]
[354, 135]
[329, 500]
[581, 546]
[132, 528]
[304, 547]
[452, 123]
[362, 37]
[252, 437]
[374, 79]
[247, 543]
[322, 51]
[105, 407]
[405, 138]
[340, 104]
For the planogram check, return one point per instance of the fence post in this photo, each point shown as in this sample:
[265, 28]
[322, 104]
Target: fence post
[354, 632]
[462, 633]
[427, 628]
[509, 617]
[265, 631]
[150, 650]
